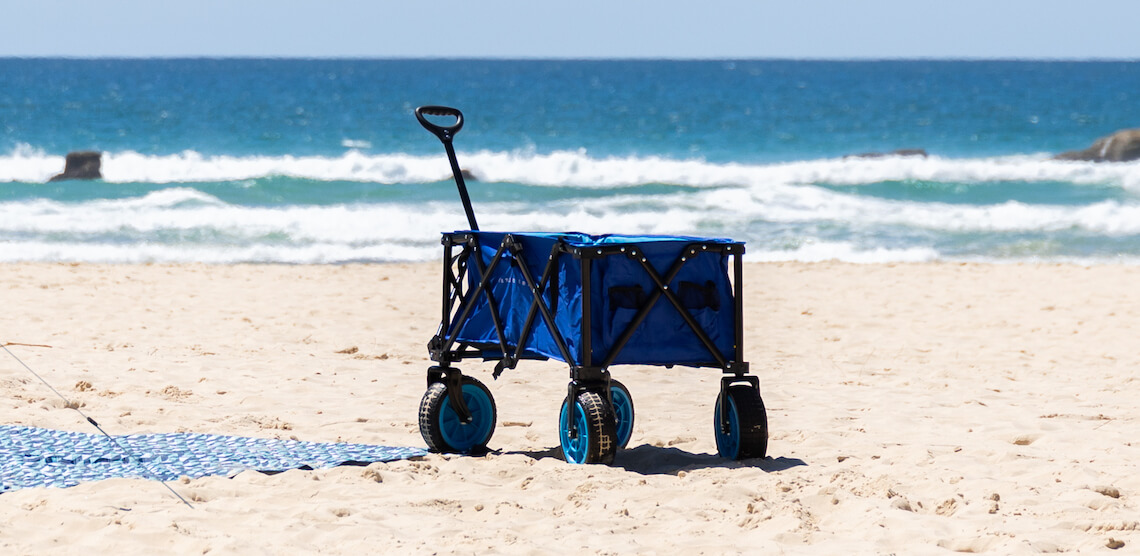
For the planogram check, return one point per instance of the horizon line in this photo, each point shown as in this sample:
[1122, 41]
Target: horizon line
[575, 58]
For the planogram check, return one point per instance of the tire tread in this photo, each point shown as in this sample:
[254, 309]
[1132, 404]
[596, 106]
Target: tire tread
[753, 419]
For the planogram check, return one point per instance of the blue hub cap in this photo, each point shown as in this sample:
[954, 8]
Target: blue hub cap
[464, 436]
[574, 447]
[623, 410]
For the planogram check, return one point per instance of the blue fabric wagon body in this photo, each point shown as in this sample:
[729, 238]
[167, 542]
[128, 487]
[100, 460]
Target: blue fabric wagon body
[618, 287]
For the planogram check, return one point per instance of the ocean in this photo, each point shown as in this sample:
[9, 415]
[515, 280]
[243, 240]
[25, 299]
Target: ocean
[323, 161]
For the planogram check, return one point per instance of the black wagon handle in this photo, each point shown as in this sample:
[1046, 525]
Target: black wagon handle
[446, 133]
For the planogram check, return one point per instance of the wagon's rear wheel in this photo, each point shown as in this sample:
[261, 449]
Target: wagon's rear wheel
[623, 412]
[445, 431]
[594, 438]
[746, 433]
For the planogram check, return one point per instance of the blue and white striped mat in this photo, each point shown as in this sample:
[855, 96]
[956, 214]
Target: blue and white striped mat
[33, 457]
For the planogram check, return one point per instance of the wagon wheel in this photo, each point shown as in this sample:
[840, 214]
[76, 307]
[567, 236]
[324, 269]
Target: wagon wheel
[595, 439]
[747, 433]
[623, 412]
[445, 431]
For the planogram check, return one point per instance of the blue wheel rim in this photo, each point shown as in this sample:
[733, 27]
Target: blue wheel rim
[623, 410]
[574, 449]
[462, 436]
[727, 444]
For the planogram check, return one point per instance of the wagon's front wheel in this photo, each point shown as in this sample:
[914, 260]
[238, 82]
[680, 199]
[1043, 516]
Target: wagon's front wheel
[745, 434]
[445, 431]
[593, 438]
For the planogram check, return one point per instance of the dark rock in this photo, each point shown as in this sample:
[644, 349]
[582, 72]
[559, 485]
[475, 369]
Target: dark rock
[899, 152]
[81, 165]
[1122, 146]
[468, 175]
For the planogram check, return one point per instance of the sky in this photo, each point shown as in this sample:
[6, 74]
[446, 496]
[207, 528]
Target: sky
[686, 29]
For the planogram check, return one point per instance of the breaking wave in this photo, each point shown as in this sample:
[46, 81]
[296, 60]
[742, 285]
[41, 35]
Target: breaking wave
[571, 168]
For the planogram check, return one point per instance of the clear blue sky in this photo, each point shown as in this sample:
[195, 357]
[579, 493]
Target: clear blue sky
[581, 29]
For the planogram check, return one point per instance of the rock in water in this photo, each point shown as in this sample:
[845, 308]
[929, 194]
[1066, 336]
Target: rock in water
[1122, 146]
[81, 165]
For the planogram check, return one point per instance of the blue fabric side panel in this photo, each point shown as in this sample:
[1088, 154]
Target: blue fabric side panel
[664, 338]
[479, 327]
[569, 315]
[513, 298]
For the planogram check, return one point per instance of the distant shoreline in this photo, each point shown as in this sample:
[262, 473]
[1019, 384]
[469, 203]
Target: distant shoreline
[867, 60]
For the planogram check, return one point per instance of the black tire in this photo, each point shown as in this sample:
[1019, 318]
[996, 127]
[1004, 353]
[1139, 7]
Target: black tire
[747, 434]
[623, 413]
[595, 440]
[441, 427]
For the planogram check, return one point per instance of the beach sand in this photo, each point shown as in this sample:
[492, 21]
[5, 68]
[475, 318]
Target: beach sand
[913, 409]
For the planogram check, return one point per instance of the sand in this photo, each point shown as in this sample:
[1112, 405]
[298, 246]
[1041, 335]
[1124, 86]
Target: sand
[913, 409]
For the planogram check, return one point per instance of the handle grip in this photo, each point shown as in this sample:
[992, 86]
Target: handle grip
[444, 132]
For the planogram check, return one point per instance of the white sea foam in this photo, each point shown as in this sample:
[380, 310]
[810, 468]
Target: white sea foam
[799, 204]
[29, 165]
[356, 144]
[41, 251]
[189, 167]
[572, 168]
[184, 224]
[843, 251]
[782, 210]
[177, 211]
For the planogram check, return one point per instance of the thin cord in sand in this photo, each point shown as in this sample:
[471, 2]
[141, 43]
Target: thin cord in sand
[67, 403]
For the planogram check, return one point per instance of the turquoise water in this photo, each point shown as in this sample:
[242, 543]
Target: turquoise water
[322, 161]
